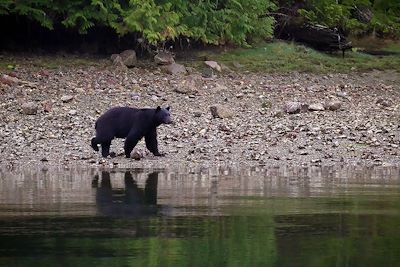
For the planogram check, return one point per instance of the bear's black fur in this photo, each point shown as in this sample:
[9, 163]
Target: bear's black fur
[132, 124]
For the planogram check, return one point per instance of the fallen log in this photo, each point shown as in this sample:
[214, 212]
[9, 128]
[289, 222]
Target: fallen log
[316, 36]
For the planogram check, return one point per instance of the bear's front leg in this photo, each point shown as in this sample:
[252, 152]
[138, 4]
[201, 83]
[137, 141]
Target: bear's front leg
[130, 142]
[105, 148]
[151, 142]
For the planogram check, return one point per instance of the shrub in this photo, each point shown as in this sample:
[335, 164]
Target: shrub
[211, 21]
[385, 17]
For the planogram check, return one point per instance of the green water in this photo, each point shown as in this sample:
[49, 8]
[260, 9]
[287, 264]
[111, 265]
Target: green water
[221, 217]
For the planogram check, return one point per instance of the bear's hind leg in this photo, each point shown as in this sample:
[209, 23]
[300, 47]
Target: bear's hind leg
[105, 148]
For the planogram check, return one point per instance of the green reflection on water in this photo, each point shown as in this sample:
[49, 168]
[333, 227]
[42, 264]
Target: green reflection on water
[265, 239]
[217, 241]
[357, 226]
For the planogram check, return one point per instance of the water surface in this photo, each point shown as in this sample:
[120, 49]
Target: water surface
[333, 216]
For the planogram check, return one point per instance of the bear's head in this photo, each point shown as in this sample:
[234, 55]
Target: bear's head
[163, 116]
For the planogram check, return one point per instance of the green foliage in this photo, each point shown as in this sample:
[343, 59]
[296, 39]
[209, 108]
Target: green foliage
[387, 17]
[157, 22]
[345, 15]
[211, 21]
[76, 15]
[34, 9]
[5, 6]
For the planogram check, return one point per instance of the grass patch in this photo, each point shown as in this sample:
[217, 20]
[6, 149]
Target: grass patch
[393, 47]
[282, 57]
[9, 63]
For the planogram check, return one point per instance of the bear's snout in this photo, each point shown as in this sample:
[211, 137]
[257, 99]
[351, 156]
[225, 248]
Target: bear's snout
[169, 121]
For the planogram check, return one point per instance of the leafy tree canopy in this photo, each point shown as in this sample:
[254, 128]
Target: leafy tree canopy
[210, 21]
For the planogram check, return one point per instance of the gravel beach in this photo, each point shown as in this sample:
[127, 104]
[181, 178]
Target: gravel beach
[47, 116]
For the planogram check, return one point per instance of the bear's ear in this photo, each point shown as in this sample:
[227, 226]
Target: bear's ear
[168, 108]
[158, 109]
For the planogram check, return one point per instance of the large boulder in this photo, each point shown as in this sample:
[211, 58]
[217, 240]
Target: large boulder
[221, 111]
[292, 107]
[316, 107]
[29, 108]
[125, 59]
[214, 65]
[333, 105]
[67, 98]
[190, 85]
[164, 58]
[118, 63]
[175, 69]
[128, 58]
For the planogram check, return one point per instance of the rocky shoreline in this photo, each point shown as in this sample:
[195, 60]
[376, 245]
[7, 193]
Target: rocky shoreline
[234, 118]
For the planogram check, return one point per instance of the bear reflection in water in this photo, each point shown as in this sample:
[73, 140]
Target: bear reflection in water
[130, 201]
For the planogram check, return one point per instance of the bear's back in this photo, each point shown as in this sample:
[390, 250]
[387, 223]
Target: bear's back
[116, 121]
[119, 121]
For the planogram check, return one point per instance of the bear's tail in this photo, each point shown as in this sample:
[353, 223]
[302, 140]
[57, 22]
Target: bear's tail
[94, 144]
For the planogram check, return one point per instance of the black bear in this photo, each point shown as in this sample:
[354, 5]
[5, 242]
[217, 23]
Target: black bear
[132, 124]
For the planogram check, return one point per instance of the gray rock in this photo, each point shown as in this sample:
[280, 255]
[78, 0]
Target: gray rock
[135, 96]
[175, 69]
[237, 65]
[183, 90]
[220, 111]
[292, 107]
[342, 94]
[72, 112]
[214, 65]
[208, 73]
[190, 85]
[266, 104]
[136, 155]
[197, 114]
[277, 113]
[119, 63]
[164, 58]
[67, 98]
[224, 128]
[128, 58]
[47, 106]
[114, 56]
[384, 102]
[333, 105]
[29, 108]
[316, 107]
[220, 87]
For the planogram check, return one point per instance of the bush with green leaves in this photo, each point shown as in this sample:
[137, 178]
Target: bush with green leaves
[345, 15]
[386, 17]
[209, 21]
